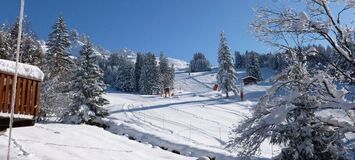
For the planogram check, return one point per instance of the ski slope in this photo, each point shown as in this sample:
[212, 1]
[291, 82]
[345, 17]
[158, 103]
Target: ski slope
[196, 121]
[77, 142]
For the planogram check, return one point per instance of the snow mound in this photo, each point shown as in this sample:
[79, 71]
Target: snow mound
[24, 70]
[78, 142]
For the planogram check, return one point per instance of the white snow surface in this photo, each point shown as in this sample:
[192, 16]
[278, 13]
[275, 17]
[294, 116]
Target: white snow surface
[196, 121]
[24, 70]
[78, 142]
[22, 116]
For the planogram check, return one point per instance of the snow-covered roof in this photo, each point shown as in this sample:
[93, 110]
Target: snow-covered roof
[249, 77]
[24, 70]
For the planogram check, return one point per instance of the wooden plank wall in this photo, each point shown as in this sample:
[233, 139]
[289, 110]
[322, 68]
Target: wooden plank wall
[27, 95]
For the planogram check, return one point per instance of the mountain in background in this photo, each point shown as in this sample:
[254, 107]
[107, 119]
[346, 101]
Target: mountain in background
[77, 41]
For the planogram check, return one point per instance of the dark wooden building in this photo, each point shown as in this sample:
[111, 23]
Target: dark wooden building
[249, 80]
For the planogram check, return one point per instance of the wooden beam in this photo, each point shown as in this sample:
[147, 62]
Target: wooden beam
[28, 97]
[18, 93]
[23, 96]
[2, 81]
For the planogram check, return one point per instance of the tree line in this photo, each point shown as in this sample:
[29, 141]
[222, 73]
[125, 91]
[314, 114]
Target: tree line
[144, 76]
[73, 87]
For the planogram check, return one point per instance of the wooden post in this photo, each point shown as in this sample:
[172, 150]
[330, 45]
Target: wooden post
[2, 78]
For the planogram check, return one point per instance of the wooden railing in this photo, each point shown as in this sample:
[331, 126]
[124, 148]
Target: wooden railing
[27, 95]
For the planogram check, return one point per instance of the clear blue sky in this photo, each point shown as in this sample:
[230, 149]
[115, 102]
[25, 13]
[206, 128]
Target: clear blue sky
[177, 27]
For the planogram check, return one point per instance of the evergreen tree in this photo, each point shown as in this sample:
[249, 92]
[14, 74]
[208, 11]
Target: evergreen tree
[238, 60]
[149, 79]
[89, 86]
[32, 52]
[125, 80]
[58, 49]
[138, 69]
[56, 88]
[226, 76]
[253, 67]
[199, 63]
[166, 73]
[5, 45]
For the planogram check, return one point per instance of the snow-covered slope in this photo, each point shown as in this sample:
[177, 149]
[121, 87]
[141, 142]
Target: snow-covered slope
[78, 142]
[178, 64]
[195, 122]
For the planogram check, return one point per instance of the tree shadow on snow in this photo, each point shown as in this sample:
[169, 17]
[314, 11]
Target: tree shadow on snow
[203, 102]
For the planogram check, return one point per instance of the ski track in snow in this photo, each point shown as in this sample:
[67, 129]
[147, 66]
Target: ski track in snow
[196, 120]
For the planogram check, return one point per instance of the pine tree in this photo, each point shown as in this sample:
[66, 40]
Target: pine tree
[56, 97]
[89, 86]
[58, 49]
[149, 79]
[238, 60]
[125, 80]
[32, 52]
[138, 69]
[253, 66]
[164, 72]
[226, 76]
[5, 45]
[199, 63]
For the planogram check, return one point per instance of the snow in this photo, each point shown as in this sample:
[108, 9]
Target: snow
[78, 142]
[196, 121]
[24, 70]
[22, 116]
[178, 64]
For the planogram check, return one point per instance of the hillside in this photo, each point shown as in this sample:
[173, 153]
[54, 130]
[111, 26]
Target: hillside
[194, 123]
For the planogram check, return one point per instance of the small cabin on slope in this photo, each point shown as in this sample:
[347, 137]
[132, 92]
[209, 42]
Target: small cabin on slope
[249, 80]
[27, 96]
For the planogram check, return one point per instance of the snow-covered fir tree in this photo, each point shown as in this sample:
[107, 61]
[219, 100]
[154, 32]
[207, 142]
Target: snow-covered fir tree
[166, 73]
[88, 87]
[58, 49]
[138, 70]
[32, 52]
[253, 66]
[124, 72]
[149, 78]
[56, 94]
[238, 60]
[5, 45]
[226, 76]
[199, 63]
